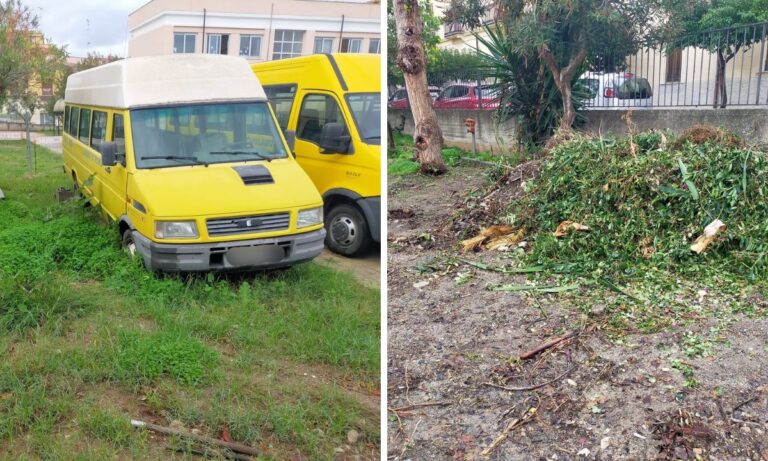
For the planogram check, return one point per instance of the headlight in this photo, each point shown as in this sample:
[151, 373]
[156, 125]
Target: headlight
[175, 229]
[310, 217]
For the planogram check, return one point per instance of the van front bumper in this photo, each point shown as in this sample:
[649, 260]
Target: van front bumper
[256, 254]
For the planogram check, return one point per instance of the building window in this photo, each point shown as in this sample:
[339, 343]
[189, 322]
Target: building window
[184, 43]
[250, 46]
[674, 65]
[351, 45]
[288, 44]
[218, 44]
[323, 45]
[374, 46]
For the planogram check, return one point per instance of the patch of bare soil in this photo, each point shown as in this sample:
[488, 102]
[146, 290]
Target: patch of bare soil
[458, 389]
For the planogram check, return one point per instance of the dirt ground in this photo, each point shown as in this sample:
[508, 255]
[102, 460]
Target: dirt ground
[592, 397]
[366, 268]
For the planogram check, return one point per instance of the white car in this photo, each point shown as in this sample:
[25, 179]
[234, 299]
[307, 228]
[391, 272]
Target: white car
[616, 89]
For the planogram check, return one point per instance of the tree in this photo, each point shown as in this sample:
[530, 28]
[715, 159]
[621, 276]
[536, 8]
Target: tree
[93, 59]
[411, 59]
[728, 22]
[27, 63]
[566, 34]
[428, 35]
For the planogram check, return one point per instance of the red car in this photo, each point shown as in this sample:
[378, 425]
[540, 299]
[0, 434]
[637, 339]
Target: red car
[399, 99]
[463, 96]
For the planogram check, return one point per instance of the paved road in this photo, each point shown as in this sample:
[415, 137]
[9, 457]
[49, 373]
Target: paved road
[366, 269]
[50, 142]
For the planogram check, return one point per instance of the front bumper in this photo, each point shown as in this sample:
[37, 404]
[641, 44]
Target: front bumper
[226, 256]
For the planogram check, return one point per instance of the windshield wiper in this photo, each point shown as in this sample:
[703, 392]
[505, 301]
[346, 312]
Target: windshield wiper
[194, 160]
[372, 137]
[241, 152]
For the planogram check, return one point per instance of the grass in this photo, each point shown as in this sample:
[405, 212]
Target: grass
[91, 341]
[400, 160]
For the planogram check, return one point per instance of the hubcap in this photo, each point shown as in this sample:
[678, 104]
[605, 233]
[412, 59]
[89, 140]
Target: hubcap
[343, 230]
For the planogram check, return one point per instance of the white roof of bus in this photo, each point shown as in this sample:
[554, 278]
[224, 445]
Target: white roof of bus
[162, 80]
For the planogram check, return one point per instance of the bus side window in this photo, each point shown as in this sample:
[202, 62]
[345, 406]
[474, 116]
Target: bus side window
[98, 129]
[281, 98]
[74, 117]
[118, 135]
[85, 125]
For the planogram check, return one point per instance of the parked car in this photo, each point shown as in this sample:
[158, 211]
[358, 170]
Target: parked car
[464, 96]
[616, 89]
[399, 99]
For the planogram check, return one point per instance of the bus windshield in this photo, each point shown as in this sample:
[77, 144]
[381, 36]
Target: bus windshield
[204, 134]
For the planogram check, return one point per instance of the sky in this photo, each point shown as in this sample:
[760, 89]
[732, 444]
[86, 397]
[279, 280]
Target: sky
[86, 25]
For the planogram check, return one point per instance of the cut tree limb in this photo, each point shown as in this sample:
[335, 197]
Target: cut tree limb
[544, 346]
[234, 446]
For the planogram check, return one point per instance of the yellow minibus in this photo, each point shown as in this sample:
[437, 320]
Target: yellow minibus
[185, 154]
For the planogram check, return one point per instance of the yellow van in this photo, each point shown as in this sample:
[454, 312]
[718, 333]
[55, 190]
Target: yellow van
[185, 154]
[329, 108]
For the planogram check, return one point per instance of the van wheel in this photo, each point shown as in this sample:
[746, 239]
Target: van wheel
[346, 231]
[129, 244]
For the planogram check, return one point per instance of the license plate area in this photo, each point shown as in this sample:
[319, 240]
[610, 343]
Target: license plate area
[254, 255]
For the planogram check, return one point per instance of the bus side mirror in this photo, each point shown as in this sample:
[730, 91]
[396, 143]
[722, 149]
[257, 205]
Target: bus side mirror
[108, 153]
[333, 140]
[290, 139]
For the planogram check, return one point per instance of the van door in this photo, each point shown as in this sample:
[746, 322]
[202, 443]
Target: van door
[114, 177]
[315, 110]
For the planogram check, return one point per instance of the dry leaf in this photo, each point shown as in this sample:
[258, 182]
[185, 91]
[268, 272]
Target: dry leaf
[496, 236]
[565, 226]
[646, 249]
[710, 232]
[473, 243]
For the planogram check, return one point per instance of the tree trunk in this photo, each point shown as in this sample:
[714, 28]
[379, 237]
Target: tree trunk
[721, 97]
[411, 59]
[390, 136]
[27, 121]
[563, 78]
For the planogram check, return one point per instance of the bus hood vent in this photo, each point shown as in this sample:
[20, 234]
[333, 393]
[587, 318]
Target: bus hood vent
[254, 174]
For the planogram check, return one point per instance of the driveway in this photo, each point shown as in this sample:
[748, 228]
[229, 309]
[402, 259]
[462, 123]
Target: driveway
[365, 269]
[49, 142]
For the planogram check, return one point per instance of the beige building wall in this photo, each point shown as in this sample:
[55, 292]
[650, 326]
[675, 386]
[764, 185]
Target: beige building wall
[152, 27]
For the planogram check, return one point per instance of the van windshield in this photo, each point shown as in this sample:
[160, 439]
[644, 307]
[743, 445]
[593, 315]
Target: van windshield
[366, 109]
[204, 134]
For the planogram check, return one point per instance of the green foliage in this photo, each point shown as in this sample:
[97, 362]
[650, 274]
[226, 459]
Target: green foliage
[400, 160]
[106, 425]
[527, 91]
[146, 358]
[646, 208]
[30, 304]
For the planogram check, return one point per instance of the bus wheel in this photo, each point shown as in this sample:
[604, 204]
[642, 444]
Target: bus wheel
[129, 244]
[347, 232]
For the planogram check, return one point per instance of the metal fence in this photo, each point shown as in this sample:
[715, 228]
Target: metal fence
[716, 69]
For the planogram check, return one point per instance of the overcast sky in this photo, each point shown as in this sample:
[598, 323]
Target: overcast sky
[64, 23]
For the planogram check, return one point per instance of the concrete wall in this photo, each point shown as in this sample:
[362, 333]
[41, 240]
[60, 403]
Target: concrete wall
[750, 124]
[490, 136]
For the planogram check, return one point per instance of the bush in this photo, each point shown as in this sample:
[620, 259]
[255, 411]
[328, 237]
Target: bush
[648, 207]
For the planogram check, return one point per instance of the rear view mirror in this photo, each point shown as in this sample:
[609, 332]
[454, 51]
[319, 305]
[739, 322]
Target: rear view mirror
[333, 140]
[108, 153]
